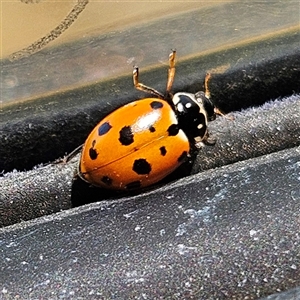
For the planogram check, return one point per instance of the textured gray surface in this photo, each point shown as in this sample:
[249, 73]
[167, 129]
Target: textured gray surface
[42, 191]
[258, 131]
[232, 232]
[292, 294]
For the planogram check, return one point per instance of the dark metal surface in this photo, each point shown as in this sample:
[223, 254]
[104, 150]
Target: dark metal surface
[225, 233]
[291, 294]
[253, 132]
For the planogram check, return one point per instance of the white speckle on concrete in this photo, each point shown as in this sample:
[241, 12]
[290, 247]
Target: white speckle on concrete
[131, 214]
[162, 232]
[184, 250]
[252, 232]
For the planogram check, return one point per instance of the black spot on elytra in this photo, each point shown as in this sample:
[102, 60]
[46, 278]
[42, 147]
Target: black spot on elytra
[151, 129]
[92, 152]
[133, 185]
[156, 104]
[173, 129]
[126, 136]
[106, 180]
[141, 166]
[163, 150]
[104, 128]
[183, 156]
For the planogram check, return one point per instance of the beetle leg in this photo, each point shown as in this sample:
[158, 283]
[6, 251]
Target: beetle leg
[207, 95]
[171, 71]
[142, 87]
[206, 140]
[206, 80]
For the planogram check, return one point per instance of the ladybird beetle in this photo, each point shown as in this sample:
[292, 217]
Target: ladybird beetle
[142, 142]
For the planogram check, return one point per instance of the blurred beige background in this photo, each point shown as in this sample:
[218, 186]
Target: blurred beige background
[108, 37]
[25, 22]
